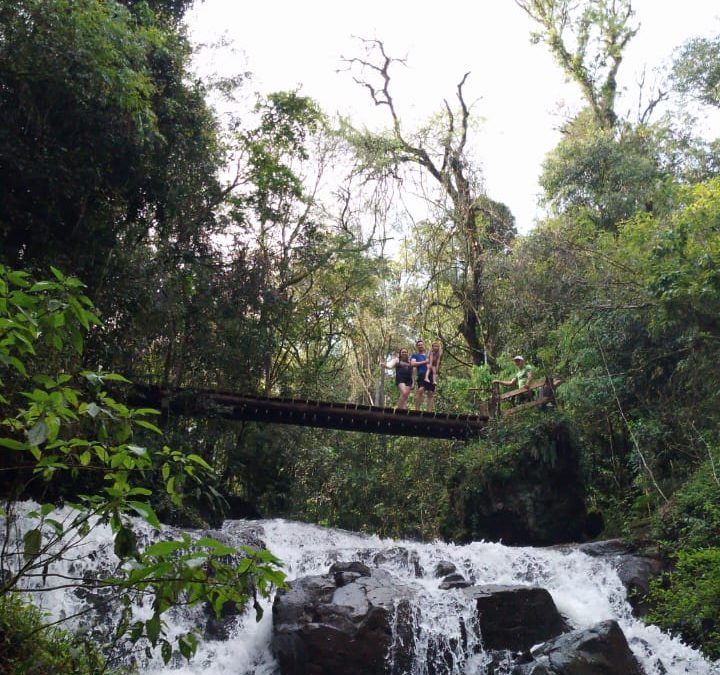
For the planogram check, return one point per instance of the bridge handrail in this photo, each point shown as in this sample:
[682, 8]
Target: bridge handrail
[497, 398]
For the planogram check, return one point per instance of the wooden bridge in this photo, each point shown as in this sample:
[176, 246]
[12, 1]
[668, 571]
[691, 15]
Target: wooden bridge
[310, 413]
[344, 416]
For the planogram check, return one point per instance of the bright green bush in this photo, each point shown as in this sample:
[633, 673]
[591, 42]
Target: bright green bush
[687, 601]
[27, 647]
[693, 518]
[58, 425]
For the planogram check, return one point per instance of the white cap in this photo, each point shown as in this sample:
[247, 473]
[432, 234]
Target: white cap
[518, 358]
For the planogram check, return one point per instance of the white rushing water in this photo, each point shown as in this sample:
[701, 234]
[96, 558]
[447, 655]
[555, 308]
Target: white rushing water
[585, 589]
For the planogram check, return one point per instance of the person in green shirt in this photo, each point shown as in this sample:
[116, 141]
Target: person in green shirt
[522, 380]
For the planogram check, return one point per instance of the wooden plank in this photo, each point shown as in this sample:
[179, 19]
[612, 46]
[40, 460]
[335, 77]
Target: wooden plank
[525, 406]
[535, 384]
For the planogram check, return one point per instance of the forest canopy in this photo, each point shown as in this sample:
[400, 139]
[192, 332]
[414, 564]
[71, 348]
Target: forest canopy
[148, 235]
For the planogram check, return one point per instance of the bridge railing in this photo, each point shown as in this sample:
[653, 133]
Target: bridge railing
[546, 385]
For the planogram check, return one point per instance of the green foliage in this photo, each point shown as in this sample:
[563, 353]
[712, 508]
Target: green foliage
[522, 476]
[687, 601]
[463, 394]
[602, 174]
[103, 135]
[588, 41]
[696, 70]
[29, 647]
[390, 486]
[65, 423]
[692, 521]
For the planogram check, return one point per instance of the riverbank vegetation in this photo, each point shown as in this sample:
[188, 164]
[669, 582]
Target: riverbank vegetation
[143, 234]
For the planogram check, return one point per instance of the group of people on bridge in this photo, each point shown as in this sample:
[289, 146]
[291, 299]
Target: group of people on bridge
[428, 366]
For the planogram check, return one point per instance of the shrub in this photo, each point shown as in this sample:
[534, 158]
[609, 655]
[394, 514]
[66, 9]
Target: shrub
[687, 601]
[28, 647]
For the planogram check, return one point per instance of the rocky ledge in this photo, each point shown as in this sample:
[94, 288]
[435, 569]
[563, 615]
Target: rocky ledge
[355, 620]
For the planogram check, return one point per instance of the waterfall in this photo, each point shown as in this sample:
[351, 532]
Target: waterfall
[585, 589]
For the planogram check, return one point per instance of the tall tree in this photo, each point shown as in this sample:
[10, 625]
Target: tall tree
[439, 152]
[105, 139]
[587, 39]
[696, 70]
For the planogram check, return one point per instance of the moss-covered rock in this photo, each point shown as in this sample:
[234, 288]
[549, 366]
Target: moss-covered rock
[521, 484]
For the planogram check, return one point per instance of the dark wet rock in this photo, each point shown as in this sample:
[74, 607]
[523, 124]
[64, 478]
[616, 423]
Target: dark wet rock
[635, 565]
[322, 628]
[356, 567]
[599, 650]
[443, 568]
[345, 573]
[532, 496]
[402, 650]
[454, 581]
[515, 617]
[400, 557]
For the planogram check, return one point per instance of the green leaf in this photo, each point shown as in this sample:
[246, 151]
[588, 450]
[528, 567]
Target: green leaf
[166, 651]
[32, 541]
[43, 286]
[163, 548]
[77, 341]
[152, 629]
[146, 512]
[18, 365]
[199, 460]
[57, 273]
[56, 525]
[148, 425]
[218, 548]
[19, 278]
[12, 444]
[125, 543]
[188, 645]
[115, 377]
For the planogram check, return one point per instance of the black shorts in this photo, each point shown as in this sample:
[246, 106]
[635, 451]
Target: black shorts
[427, 386]
[407, 381]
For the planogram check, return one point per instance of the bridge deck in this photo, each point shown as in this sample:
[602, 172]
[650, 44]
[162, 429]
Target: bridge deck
[344, 416]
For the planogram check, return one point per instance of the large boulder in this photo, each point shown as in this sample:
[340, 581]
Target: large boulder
[342, 622]
[515, 617]
[531, 495]
[599, 650]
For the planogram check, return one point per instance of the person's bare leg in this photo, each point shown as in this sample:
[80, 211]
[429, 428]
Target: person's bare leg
[404, 393]
[419, 397]
[430, 397]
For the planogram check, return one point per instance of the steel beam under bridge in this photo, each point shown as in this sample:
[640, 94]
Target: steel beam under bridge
[344, 416]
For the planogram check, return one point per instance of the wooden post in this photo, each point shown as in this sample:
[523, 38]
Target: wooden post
[495, 400]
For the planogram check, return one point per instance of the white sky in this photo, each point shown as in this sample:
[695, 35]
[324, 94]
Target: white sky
[519, 92]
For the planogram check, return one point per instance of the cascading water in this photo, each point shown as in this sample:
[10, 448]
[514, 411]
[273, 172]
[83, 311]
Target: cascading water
[585, 589]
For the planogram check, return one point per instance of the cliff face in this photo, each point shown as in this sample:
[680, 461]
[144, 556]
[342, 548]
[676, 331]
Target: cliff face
[531, 494]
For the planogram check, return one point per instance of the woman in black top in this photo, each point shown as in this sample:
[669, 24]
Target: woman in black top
[403, 376]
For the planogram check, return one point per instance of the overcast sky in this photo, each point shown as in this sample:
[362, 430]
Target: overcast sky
[520, 94]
